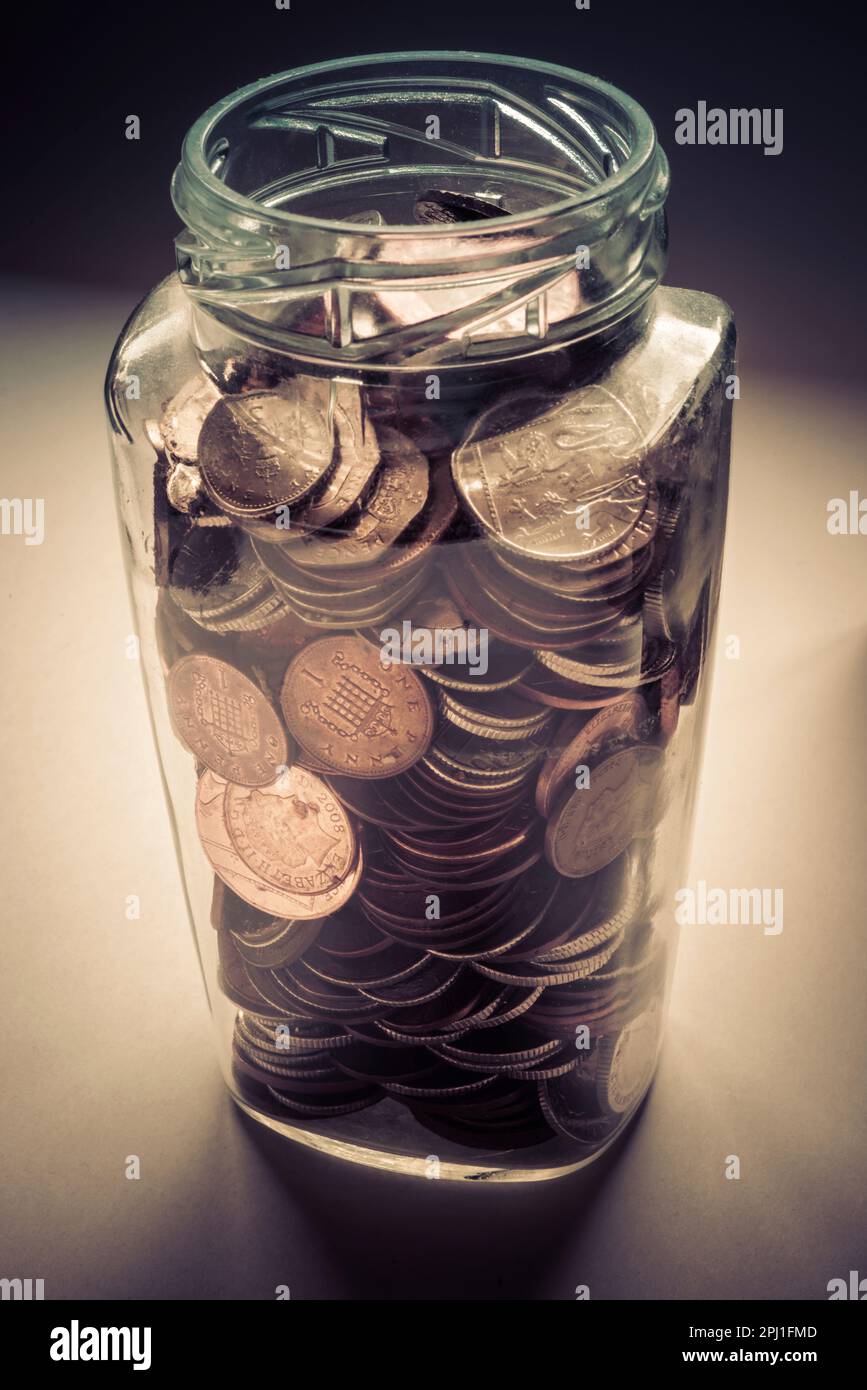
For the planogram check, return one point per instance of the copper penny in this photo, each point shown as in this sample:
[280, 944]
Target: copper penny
[263, 450]
[244, 881]
[594, 824]
[626, 717]
[293, 833]
[225, 720]
[352, 713]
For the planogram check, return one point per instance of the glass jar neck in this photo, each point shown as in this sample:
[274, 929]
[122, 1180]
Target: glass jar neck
[401, 211]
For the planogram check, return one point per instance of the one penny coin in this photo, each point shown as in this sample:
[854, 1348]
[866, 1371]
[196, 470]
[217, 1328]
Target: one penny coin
[352, 713]
[225, 720]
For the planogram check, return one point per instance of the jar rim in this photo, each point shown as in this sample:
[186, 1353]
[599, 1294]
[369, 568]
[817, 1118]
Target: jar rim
[194, 164]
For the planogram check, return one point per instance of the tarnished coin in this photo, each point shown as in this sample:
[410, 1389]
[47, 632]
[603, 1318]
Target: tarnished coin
[352, 713]
[444, 205]
[217, 579]
[278, 944]
[259, 939]
[358, 457]
[567, 1103]
[230, 867]
[398, 497]
[263, 450]
[626, 1062]
[565, 485]
[225, 720]
[628, 717]
[184, 416]
[596, 823]
[293, 833]
[185, 491]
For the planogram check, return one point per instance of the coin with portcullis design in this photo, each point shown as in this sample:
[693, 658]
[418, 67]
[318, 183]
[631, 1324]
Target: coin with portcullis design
[352, 713]
[225, 720]
[293, 833]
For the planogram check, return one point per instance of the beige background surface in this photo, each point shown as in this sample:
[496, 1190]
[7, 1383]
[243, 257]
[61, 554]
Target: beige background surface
[106, 1050]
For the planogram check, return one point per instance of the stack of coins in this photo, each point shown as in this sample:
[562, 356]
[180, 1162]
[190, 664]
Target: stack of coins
[432, 876]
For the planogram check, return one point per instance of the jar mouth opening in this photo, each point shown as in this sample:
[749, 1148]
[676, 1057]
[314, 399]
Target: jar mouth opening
[627, 124]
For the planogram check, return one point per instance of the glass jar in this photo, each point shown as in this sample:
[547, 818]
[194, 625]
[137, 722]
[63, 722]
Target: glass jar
[423, 480]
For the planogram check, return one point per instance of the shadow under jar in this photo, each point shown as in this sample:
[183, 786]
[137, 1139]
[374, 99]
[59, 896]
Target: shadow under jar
[423, 480]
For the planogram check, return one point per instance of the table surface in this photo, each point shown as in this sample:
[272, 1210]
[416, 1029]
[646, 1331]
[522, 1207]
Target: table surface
[107, 1050]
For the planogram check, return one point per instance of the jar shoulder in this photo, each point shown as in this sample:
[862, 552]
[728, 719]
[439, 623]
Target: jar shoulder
[694, 327]
[697, 309]
[675, 378]
[152, 354]
[684, 358]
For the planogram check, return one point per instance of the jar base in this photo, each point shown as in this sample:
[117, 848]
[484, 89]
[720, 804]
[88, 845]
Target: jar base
[392, 1143]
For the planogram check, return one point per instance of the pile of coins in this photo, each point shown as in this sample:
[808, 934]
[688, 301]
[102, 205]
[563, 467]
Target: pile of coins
[429, 699]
